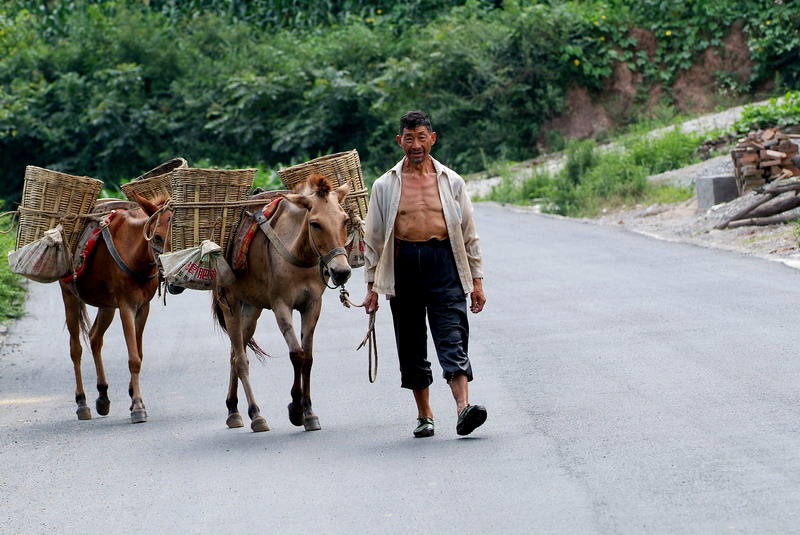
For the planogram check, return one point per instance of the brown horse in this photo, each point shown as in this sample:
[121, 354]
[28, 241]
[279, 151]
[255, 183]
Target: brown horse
[120, 273]
[285, 274]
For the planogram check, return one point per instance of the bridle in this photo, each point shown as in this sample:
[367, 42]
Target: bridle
[323, 260]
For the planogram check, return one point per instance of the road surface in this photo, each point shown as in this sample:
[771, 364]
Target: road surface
[633, 386]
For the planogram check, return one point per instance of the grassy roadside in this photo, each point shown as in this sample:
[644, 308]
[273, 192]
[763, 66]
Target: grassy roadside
[595, 178]
[12, 286]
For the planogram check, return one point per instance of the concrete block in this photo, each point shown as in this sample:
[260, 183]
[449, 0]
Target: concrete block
[713, 190]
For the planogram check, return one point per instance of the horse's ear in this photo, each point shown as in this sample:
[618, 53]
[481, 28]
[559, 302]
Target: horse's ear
[342, 191]
[148, 207]
[299, 200]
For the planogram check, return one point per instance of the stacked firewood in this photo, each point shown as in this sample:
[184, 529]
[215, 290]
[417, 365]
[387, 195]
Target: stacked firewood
[764, 156]
[767, 162]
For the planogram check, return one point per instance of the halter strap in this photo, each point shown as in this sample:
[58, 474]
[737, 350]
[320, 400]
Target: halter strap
[118, 259]
[276, 241]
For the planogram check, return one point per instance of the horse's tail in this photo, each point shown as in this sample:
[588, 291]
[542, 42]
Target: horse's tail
[83, 319]
[84, 323]
[216, 312]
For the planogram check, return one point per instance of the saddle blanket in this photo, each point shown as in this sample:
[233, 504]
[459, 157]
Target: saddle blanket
[245, 235]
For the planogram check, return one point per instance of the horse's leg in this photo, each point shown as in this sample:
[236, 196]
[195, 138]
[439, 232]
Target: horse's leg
[240, 365]
[283, 315]
[72, 308]
[127, 316]
[309, 319]
[250, 317]
[142, 314]
[101, 323]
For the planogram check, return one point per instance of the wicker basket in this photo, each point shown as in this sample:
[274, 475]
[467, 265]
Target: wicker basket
[154, 184]
[207, 204]
[50, 198]
[340, 168]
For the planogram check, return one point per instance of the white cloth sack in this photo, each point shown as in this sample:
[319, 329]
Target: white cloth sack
[198, 268]
[355, 247]
[44, 260]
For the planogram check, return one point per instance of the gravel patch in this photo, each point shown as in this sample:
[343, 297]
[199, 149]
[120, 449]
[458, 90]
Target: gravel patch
[682, 222]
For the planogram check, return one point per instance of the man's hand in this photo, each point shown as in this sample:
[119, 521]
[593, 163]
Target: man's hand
[477, 299]
[370, 300]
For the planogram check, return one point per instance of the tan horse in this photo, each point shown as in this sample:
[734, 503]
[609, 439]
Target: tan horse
[128, 283]
[283, 276]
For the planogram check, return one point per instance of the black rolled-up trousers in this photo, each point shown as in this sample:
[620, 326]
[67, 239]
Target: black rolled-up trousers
[427, 285]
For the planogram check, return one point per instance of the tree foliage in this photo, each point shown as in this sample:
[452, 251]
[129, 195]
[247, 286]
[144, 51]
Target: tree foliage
[110, 88]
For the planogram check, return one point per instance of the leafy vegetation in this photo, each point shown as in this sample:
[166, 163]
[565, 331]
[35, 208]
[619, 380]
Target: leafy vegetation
[777, 112]
[12, 286]
[594, 178]
[110, 88]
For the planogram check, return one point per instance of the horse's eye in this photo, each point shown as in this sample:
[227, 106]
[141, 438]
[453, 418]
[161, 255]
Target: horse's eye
[315, 225]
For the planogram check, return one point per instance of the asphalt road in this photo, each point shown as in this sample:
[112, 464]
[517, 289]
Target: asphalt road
[633, 386]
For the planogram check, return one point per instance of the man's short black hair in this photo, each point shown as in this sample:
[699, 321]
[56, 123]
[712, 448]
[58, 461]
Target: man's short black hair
[413, 119]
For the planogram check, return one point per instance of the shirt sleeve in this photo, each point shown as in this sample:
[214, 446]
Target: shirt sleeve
[374, 235]
[472, 243]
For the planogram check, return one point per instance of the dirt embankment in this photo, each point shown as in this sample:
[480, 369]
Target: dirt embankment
[694, 90]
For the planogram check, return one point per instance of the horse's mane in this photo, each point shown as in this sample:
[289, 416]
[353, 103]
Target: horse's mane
[319, 185]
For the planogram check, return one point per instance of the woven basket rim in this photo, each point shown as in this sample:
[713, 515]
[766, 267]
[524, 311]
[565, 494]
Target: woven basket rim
[83, 178]
[318, 160]
[184, 169]
[163, 168]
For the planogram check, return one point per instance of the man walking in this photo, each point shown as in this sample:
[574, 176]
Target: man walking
[423, 253]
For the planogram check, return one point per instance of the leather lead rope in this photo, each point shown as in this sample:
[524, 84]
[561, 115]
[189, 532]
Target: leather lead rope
[370, 338]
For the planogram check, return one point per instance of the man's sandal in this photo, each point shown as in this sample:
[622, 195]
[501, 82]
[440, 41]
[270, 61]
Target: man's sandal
[471, 417]
[424, 427]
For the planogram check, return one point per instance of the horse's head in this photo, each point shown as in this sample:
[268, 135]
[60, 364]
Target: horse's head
[327, 222]
[157, 228]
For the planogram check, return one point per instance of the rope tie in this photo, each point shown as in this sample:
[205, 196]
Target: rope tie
[370, 338]
[14, 214]
[157, 215]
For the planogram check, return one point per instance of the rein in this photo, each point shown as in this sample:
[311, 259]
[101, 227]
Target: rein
[344, 297]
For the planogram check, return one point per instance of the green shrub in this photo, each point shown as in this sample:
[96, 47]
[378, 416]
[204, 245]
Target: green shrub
[12, 286]
[658, 154]
[594, 178]
[539, 187]
[776, 112]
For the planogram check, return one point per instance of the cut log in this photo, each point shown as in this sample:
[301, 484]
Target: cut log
[743, 213]
[769, 163]
[763, 221]
[780, 204]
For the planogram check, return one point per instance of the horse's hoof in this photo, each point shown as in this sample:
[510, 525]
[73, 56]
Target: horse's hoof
[84, 413]
[259, 424]
[234, 420]
[296, 417]
[138, 416]
[103, 407]
[312, 424]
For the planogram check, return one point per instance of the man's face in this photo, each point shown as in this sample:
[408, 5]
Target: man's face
[416, 143]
